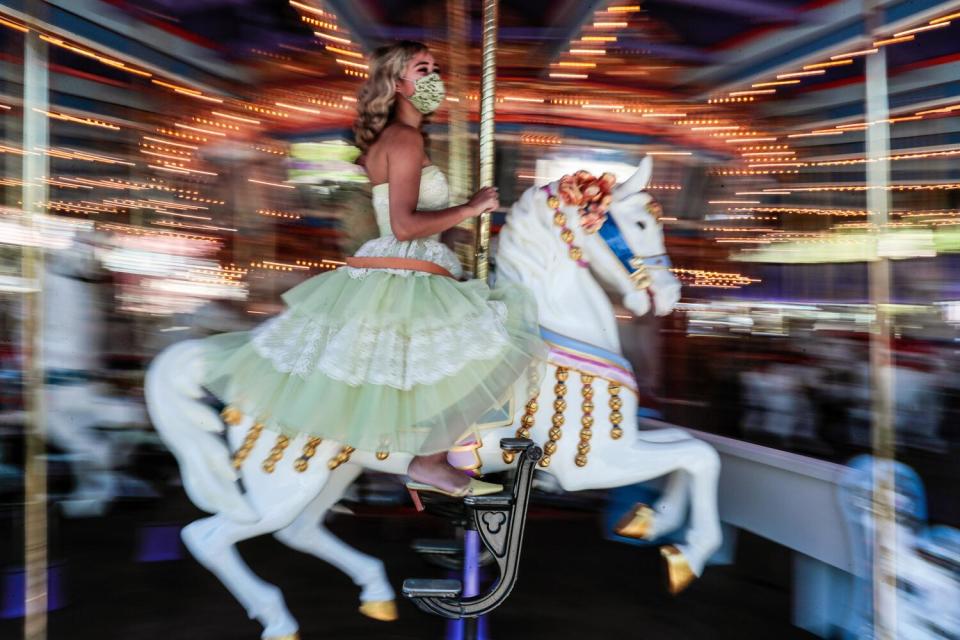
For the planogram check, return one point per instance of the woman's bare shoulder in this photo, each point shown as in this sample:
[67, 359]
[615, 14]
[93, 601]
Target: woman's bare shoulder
[400, 136]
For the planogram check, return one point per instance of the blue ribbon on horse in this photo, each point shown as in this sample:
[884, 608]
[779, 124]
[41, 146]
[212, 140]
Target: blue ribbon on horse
[613, 237]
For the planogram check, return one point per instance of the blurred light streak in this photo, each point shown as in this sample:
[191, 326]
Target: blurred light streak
[309, 110]
[834, 63]
[95, 56]
[854, 54]
[822, 132]
[14, 25]
[888, 41]
[68, 118]
[801, 74]
[945, 18]
[774, 83]
[327, 36]
[169, 142]
[356, 65]
[928, 27]
[271, 184]
[193, 93]
[345, 52]
[180, 125]
[309, 9]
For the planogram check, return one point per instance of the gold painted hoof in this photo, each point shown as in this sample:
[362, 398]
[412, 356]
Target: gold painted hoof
[382, 610]
[679, 573]
[290, 636]
[637, 524]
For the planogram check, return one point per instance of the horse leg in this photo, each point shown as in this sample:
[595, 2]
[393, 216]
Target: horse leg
[307, 534]
[280, 498]
[641, 456]
[211, 541]
[670, 510]
[70, 425]
[621, 465]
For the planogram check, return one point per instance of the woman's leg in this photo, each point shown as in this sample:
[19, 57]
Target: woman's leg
[436, 471]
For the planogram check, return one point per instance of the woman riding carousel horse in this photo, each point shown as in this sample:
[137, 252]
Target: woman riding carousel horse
[392, 353]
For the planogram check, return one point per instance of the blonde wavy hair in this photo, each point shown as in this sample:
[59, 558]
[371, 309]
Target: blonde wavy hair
[378, 95]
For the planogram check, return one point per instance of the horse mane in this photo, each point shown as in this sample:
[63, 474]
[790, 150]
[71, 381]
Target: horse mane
[528, 248]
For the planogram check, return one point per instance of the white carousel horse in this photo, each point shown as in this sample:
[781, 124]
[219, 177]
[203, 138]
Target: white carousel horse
[76, 402]
[289, 497]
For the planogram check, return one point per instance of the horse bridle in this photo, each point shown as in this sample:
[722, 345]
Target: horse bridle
[637, 267]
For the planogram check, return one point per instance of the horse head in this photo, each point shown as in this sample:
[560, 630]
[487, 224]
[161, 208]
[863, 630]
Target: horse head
[564, 239]
[627, 252]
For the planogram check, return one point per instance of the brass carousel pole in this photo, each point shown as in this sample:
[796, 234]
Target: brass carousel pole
[458, 39]
[35, 165]
[488, 87]
[881, 374]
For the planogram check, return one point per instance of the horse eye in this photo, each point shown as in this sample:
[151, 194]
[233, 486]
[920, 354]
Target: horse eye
[642, 225]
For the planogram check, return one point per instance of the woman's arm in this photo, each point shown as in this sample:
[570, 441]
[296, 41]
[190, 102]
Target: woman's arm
[404, 166]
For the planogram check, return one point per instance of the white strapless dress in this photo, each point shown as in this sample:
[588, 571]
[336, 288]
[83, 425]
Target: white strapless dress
[384, 359]
[434, 195]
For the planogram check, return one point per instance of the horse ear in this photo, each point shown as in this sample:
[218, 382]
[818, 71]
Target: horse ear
[638, 181]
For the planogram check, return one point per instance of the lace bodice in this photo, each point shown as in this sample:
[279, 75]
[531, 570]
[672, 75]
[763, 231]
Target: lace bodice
[434, 195]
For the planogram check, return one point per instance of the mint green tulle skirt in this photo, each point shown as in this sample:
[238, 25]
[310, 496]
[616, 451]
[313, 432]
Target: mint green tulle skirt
[381, 361]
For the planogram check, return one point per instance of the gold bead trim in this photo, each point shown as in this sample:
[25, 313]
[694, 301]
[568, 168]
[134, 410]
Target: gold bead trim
[529, 414]
[340, 458]
[382, 455]
[247, 446]
[276, 454]
[232, 416]
[559, 406]
[615, 403]
[567, 235]
[309, 450]
[526, 424]
[586, 421]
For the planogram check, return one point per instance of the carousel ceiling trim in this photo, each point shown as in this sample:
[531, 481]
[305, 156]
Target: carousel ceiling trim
[358, 22]
[760, 10]
[833, 28]
[909, 83]
[94, 24]
[551, 50]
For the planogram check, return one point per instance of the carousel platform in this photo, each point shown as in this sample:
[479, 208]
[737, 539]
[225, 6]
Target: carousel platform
[126, 576]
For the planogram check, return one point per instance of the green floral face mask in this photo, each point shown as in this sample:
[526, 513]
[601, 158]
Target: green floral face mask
[427, 93]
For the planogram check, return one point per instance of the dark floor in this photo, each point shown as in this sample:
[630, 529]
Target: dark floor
[573, 584]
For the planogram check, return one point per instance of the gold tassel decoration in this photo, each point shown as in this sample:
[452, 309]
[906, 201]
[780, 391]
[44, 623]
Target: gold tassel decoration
[340, 458]
[529, 415]
[559, 406]
[526, 423]
[616, 403]
[247, 446]
[309, 450]
[231, 416]
[586, 420]
[276, 453]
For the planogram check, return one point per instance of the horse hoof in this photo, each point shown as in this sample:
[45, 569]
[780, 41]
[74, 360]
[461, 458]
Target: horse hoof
[382, 610]
[637, 523]
[289, 636]
[679, 573]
